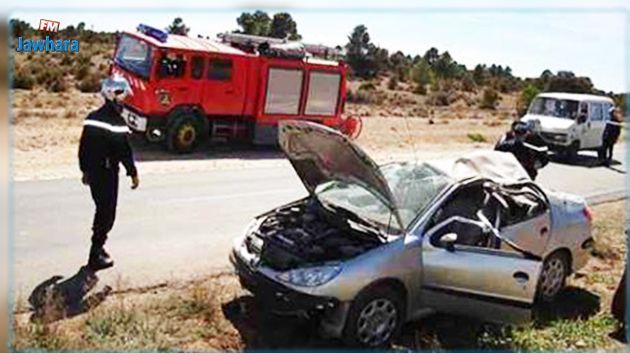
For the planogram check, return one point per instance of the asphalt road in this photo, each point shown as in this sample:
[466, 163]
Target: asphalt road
[178, 226]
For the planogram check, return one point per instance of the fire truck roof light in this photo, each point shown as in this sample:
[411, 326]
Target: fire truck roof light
[153, 32]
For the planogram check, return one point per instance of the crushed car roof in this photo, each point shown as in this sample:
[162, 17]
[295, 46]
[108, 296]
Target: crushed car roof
[501, 167]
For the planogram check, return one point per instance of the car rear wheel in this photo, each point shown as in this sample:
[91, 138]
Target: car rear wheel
[375, 318]
[553, 276]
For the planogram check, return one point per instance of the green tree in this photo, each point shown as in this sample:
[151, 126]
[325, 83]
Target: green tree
[283, 26]
[360, 53]
[20, 28]
[431, 56]
[257, 23]
[528, 93]
[479, 74]
[445, 67]
[567, 81]
[422, 75]
[178, 27]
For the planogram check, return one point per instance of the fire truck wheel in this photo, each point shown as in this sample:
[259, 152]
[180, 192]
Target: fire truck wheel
[183, 134]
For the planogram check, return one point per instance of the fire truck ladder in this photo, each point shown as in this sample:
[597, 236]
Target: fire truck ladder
[244, 40]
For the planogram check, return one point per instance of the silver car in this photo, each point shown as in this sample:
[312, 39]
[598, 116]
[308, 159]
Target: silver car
[373, 247]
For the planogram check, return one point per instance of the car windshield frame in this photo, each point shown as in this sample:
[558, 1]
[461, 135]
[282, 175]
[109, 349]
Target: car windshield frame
[563, 108]
[134, 64]
[397, 175]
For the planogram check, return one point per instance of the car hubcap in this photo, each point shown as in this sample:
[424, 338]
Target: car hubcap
[552, 278]
[377, 322]
[186, 135]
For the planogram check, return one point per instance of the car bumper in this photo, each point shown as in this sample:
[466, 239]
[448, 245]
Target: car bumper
[278, 297]
[136, 121]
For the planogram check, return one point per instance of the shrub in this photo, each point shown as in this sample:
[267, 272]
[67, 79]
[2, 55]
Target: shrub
[367, 86]
[442, 98]
[527, 95]
[468, 84]
[489, 99]
[476, 137]
[420, 89]
[22, 78]
[91, 83]
[392, 84]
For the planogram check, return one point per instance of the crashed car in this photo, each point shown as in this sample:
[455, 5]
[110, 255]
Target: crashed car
[373, 247]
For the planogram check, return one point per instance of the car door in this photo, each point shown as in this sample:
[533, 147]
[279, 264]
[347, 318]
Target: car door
[224, 91]
[489, 284]
[594, 126]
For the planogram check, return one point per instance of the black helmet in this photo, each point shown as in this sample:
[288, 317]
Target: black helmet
[520, 127]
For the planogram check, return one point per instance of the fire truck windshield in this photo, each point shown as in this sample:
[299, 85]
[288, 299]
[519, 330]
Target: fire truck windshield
[134, 55]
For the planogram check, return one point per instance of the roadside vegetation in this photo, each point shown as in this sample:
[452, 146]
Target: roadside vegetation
[215, 313]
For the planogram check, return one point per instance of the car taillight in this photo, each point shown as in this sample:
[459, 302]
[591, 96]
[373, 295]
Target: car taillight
[588, 213]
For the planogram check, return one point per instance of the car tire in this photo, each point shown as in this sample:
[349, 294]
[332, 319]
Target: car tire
[553, 276]
[375, 318]
[183, 134]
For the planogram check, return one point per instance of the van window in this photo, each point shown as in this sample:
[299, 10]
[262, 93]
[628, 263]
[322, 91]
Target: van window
[284, 88]
[220, 69]
[597, 112]
[323, 91]
[197, 67]
[559, 108]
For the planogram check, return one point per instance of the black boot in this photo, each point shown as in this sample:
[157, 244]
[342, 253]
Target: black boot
[99, 259]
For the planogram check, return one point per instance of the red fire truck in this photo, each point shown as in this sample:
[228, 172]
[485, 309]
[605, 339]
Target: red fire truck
[190, 89]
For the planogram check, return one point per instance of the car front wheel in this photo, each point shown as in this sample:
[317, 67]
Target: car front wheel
[553, 276]
[375, 318]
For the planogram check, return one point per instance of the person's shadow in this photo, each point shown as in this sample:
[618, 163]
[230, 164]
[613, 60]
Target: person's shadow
[53, 300]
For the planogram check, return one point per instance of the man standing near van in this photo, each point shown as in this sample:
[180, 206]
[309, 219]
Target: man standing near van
[104, 144]
[610, 136]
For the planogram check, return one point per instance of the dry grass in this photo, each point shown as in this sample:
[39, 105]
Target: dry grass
[215, 313]
[47, 126]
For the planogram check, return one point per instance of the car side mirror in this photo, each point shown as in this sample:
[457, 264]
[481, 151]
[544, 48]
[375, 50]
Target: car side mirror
[448, 240]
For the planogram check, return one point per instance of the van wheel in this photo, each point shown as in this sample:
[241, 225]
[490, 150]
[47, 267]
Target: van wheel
[375, 318]
[571, 152]
[183, 134]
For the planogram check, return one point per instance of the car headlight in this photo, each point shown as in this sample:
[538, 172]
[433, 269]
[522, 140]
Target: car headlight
[252, 226]
[310, 276]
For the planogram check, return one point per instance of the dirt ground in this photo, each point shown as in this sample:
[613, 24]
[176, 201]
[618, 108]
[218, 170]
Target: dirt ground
[46, 128]
[215, 313]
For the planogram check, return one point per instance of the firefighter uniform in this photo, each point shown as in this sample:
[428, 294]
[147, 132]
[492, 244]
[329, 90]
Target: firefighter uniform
[104, 144]
[524, 146]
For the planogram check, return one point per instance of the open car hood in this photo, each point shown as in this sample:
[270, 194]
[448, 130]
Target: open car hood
[320, 154]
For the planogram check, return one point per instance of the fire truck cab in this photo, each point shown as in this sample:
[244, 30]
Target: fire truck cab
[188, 89]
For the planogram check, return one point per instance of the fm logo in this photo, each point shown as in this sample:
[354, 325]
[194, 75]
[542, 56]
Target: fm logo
[48, 26]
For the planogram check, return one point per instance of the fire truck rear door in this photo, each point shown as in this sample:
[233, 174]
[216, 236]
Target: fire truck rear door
[224, 88]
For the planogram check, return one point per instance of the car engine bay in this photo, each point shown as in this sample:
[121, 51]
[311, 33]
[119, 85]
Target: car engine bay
[305, 232]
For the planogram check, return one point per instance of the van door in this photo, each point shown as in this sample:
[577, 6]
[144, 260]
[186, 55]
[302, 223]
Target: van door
[594, 126]
[224, 91]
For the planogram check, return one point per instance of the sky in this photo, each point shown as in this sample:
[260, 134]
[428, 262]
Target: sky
[587, 38]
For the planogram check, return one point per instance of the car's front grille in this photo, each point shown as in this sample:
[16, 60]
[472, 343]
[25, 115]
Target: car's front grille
[554, 137]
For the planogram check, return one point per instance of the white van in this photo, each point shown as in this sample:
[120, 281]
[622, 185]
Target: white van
[569, 122]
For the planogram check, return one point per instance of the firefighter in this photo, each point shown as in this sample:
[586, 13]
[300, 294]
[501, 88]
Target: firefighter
[104, 144]
[522, 142]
